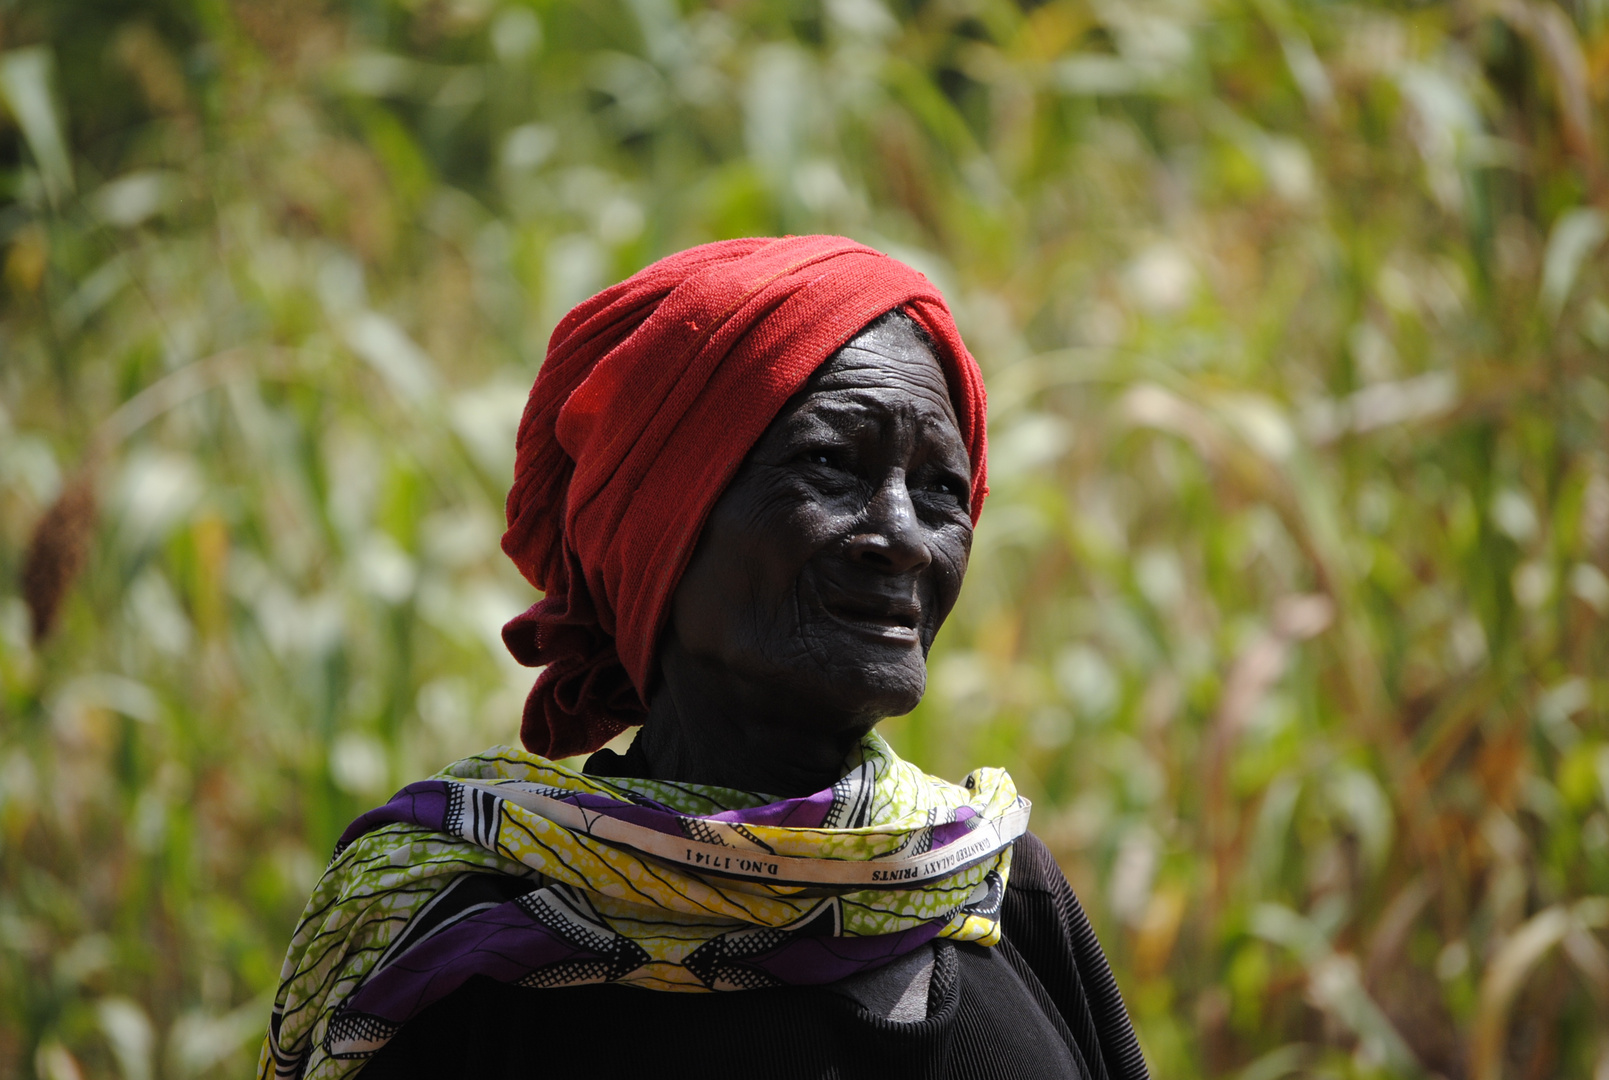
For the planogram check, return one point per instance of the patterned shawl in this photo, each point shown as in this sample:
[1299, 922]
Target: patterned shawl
[510, 865]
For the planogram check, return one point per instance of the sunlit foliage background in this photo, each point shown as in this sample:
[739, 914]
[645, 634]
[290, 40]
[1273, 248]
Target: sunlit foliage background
[1289, 609]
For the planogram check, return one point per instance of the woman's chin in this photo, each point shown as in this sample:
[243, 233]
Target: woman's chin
[876, 690]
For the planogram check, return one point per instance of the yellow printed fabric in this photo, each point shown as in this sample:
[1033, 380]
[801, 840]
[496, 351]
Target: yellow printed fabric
[515, 867]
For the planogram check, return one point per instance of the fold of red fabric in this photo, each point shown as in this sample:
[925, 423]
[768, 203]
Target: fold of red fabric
[652, 394]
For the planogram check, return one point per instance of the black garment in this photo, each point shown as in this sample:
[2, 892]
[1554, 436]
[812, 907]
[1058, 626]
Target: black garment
[1041, 1004]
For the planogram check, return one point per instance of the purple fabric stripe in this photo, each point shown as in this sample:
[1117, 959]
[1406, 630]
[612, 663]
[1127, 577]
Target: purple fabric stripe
[423, 803]
[503, 942]
[806, 812]
[660, 819]
[949, 832]
[815, 961]
[506, 944]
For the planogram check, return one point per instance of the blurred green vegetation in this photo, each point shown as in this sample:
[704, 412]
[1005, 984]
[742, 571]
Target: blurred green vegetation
[1290, 608]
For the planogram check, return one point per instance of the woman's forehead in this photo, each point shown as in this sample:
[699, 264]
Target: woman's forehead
[889, 366]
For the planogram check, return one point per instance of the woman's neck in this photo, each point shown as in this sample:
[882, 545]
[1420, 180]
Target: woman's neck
[705, 727]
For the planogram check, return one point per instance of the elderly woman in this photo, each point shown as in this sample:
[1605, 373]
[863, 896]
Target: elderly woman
[746, 483]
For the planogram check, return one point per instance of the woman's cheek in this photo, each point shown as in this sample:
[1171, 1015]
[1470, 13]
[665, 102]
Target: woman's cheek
[950, 556]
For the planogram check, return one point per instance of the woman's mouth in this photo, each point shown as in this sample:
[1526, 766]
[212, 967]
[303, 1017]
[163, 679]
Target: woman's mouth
[889, 622]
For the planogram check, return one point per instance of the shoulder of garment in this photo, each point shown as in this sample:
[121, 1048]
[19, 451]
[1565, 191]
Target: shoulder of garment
[1045, 925]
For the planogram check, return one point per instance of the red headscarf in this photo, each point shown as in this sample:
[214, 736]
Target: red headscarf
[652, 394]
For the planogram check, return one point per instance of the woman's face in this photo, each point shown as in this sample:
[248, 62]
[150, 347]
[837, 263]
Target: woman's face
[831, 560]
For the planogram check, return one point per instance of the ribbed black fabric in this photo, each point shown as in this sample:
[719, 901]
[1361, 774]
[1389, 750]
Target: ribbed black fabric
[1042, 1004]
[1044, 927]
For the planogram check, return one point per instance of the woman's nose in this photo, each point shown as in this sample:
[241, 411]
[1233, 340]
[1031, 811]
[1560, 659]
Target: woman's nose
[890, 537]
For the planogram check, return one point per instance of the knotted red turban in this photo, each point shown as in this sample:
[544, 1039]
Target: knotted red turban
[652, 394]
